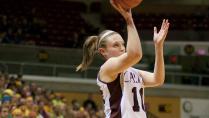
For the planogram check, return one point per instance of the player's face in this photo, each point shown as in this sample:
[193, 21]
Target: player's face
[115, 46]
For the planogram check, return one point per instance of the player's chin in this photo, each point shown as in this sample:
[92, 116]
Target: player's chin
[121, 53]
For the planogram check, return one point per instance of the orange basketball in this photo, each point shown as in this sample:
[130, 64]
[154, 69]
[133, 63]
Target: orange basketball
[129, 3]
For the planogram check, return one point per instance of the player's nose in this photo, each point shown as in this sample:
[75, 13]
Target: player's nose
[122, 49]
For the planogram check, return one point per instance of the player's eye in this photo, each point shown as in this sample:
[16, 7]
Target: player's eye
[116, 45]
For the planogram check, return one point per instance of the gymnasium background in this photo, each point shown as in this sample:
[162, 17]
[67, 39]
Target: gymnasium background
[41, 40]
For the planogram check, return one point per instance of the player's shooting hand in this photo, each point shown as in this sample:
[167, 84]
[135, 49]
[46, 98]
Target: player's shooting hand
[126, 13]
[160, 36]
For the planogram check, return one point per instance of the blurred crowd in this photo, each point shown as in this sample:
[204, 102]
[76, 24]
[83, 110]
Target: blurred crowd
[31, 30]
[21, 29]
[19, 99]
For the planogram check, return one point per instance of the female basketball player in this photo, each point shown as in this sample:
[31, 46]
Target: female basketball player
[120, 84]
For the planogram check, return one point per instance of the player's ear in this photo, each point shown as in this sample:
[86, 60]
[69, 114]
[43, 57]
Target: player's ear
[102, 51]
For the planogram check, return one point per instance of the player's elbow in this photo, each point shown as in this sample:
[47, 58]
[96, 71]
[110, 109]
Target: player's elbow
[139, 56]
[159, 82]
[136, 56]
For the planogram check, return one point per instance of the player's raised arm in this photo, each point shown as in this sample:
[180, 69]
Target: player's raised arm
[133, 52]
[158, 76]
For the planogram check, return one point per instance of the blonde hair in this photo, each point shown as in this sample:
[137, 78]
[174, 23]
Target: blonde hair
[90, 47]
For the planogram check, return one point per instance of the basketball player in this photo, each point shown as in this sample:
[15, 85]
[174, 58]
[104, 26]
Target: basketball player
[121, 85]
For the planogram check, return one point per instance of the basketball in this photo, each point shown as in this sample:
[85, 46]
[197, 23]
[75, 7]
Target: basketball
[129, 3]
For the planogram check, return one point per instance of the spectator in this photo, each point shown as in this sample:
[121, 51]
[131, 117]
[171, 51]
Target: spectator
[17, 113]
[76, 111]
[72, 41]
[2, 81]
[5, 112]
[9, 37]
[19, 36]
[89, 104]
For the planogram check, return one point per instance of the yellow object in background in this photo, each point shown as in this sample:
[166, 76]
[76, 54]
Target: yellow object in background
[163, 107]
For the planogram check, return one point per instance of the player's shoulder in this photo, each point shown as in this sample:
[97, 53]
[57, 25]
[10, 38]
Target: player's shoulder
[133, 69]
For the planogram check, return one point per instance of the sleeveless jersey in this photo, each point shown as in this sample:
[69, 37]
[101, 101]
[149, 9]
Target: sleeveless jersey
[124, 97]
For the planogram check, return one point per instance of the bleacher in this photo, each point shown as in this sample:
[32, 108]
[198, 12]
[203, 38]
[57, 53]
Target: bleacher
[58, 21]
[184, 27]
[148, 21]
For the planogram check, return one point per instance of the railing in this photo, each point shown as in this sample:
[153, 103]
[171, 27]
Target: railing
[69, 71]
[187, 78]
[43, 69]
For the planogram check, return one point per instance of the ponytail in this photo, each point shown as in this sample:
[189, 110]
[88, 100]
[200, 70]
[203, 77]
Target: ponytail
[89, 51]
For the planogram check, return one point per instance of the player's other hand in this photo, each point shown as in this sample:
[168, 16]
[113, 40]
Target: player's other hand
[160, 36]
